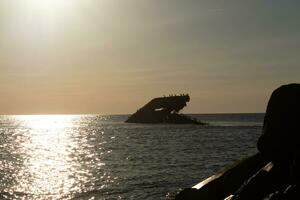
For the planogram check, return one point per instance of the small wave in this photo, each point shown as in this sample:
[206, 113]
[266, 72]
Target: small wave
[234, 124]
[17, 194]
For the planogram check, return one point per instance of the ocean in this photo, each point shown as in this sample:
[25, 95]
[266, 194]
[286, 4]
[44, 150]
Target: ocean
[101, 157]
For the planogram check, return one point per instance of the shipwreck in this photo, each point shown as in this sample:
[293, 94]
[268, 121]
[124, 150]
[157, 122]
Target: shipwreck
[164, 110]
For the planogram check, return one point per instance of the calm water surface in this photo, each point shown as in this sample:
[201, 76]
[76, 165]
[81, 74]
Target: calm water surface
[100, 157]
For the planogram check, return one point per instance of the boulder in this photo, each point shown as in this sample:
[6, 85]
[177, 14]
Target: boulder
[273, 173]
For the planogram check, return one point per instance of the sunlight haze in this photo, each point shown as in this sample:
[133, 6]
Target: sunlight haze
[113, 56]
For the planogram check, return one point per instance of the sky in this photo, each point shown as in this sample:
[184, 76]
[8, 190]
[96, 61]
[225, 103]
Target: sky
[113, 56]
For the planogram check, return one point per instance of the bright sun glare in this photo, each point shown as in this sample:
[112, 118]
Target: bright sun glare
[48, 6]
[47, 148]
[39, 21]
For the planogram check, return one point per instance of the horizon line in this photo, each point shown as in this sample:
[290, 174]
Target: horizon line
[106, 114]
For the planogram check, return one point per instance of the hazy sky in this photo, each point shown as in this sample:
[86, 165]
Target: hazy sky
[112, 56]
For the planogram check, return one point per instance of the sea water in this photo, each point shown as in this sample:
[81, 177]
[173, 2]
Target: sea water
[101, 157]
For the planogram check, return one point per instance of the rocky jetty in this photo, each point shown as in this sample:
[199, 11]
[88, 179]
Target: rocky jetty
[164, 110]
[272, 173]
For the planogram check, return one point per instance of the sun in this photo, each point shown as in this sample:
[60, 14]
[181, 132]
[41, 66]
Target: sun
[39, 21]
[48, 6]
[48, 9]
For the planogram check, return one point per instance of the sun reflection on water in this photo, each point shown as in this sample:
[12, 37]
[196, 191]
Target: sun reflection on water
[47, 161]
[56, 157]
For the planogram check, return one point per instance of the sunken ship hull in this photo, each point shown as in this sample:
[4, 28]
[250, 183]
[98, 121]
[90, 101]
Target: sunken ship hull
[163, 110]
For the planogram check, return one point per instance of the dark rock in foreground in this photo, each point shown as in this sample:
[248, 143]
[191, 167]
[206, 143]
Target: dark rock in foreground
[274, 172]
[163, 110]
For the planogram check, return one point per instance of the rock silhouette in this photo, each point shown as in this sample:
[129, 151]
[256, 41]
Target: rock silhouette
[163, 110]
[281, 136]
[272, 173]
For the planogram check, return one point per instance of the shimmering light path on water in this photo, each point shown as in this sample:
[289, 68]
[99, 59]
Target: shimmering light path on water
[46, 145]
[51, 156]
[100, 157]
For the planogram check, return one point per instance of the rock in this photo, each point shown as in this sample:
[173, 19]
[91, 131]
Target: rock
[163, 110]
[274, 172]
[280, 138]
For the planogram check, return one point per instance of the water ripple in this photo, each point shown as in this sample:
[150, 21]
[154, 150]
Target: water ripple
[100, 157]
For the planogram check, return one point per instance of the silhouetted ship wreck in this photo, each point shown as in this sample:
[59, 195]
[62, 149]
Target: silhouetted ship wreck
[164, 110]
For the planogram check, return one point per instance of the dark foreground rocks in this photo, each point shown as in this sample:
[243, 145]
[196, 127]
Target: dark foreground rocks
[274, 172]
